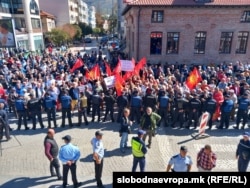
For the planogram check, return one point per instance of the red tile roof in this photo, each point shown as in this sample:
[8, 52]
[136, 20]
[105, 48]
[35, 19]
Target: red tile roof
[187, 2]
[46, 14]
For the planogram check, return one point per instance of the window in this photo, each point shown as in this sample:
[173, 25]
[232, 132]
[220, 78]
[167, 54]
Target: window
[245, 17]
[155, 42]
[225, 42]
[157, 16]
[173, 43]
[200, 42]
[241, 47]
[20, 23]
[35, 23]
[17, 6]
[5, 6]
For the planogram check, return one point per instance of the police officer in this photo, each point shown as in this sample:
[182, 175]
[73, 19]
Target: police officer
[88, 94]
[209, 106]
[194, 110]
[20, 105]
[243, 152]
[66, 108]
[163, 105]
[12, 96]
[98, 155]
[180, 162]
[149, 100]
[243, 106]
[82, 109]
[49, 104]
[96, 106]
[139, 150]
[34, 107]
[4, 123]
[226, 109]
[109, 102]
[135, 106]
[122, 102]
[179, 108]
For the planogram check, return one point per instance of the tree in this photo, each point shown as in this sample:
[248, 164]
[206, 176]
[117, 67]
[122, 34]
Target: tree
[78, 32]
[86, 29]
[58, 36]
[70, 29]
[99, 20]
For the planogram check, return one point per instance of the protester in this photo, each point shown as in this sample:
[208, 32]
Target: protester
[206, 159]
[51, 152]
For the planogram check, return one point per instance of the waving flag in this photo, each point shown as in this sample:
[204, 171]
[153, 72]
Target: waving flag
[108, 70]
[119, 84]
[117, 69]
[77, 65]
[140, 65]
[193, 79]
[129, 74]
[94, 73]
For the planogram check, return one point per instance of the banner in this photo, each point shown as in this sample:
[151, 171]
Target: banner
[109, 81]
[127, 65]
[7, 38]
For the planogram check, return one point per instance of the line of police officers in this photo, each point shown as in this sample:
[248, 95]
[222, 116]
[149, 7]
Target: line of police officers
[173, 107]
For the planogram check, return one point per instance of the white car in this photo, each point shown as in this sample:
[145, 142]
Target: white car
[113, 46]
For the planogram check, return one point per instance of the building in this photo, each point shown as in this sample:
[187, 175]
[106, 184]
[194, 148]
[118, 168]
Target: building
[120, 19]
[92, 18]
[68, 11]
[26, 20]
[48, 21]
[188, 31]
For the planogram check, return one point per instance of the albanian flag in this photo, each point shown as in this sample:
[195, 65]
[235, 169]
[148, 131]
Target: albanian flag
[77, 65]
[193, 79]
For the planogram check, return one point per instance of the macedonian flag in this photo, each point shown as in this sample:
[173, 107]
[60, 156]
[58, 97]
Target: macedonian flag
[193, 79]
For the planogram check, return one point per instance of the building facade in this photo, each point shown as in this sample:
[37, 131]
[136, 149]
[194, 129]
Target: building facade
[26, 21]
[69, 11]
[48, 21]
[188, 31]
[92, 18]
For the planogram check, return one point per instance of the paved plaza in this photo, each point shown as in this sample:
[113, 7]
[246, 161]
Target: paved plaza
[23, 162]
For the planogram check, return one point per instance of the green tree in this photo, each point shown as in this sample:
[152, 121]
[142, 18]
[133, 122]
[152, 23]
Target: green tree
[86, 29]
[78, 34]
[58, 36]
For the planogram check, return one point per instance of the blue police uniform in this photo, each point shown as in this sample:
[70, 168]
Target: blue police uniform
[243, 154]
[21, 111]
[180, 164]
[163, 109]
[49, 104]
[136, 105]
[66, 104]
[226, 109]
[242, 112]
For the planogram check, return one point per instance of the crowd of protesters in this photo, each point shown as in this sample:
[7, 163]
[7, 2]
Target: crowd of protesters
[223, 91]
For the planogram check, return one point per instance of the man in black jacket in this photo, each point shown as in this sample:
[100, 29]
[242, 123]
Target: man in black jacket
[109, 102]
[51, 152]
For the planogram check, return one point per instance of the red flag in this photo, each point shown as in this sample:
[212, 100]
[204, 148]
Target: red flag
[94, 74]
[77, 65]
[129, 74]
[108, 70]
[193, 79]
[140, 65]
[118, 84]
[117, 69]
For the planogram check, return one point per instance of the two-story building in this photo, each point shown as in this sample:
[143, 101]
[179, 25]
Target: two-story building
[188, 31]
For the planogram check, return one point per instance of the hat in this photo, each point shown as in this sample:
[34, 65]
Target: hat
[247, 134]
[98, 133]
[141, 132]
[183, 148]
[67, 138]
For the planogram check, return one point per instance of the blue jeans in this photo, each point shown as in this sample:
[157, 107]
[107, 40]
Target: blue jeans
[124, 140]
[142, 163]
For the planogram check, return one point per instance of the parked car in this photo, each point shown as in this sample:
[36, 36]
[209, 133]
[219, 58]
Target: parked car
[88, 40]
[104, 40]
[113, 46]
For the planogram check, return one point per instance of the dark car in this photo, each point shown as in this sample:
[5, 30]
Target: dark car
[104, 40]
[87, 40]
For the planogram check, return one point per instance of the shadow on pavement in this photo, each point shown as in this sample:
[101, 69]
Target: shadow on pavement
[27, 182]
